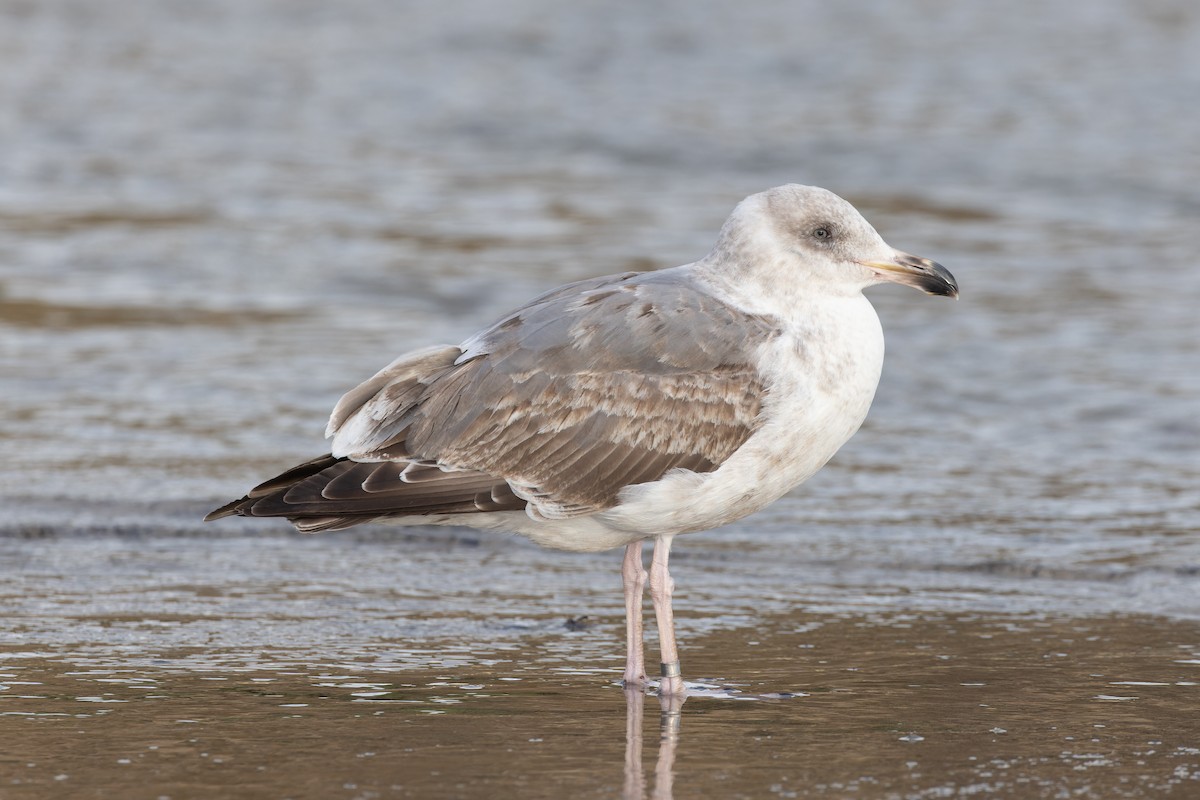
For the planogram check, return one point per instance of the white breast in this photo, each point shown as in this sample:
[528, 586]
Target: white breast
[822, 375]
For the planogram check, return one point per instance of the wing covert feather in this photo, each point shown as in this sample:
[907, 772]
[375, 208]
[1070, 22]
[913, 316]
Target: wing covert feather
[583, 392]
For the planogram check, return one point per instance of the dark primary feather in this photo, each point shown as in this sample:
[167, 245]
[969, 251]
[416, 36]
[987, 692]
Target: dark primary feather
[329, 493]
[585, 390]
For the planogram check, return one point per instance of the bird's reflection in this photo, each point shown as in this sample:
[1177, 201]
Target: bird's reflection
[671, 708]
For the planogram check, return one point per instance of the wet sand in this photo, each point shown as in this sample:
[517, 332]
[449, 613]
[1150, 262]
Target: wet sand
[465, 702]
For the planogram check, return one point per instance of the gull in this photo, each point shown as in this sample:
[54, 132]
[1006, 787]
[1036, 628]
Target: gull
[643, 405]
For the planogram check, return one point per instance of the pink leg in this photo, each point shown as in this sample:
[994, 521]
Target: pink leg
[633, 576]
[661, 587]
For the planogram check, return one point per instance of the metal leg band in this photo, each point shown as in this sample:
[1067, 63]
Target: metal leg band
[670, 670]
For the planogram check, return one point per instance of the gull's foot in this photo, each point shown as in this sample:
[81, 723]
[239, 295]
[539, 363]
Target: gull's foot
[635, 681]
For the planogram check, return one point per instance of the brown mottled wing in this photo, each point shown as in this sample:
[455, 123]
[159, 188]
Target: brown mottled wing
[586, 390]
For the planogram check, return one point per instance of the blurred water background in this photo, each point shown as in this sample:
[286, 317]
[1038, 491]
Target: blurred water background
[216, 217]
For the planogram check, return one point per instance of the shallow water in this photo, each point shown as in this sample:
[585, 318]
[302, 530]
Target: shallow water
[332, 697]
[215, 218]
[360, 666]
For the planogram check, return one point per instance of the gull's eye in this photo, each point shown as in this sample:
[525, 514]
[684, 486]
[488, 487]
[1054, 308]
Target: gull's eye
[823, 233]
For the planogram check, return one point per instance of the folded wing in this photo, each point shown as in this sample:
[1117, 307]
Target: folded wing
[590, 388]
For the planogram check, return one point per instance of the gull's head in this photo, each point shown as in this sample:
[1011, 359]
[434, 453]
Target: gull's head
[824, 242]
